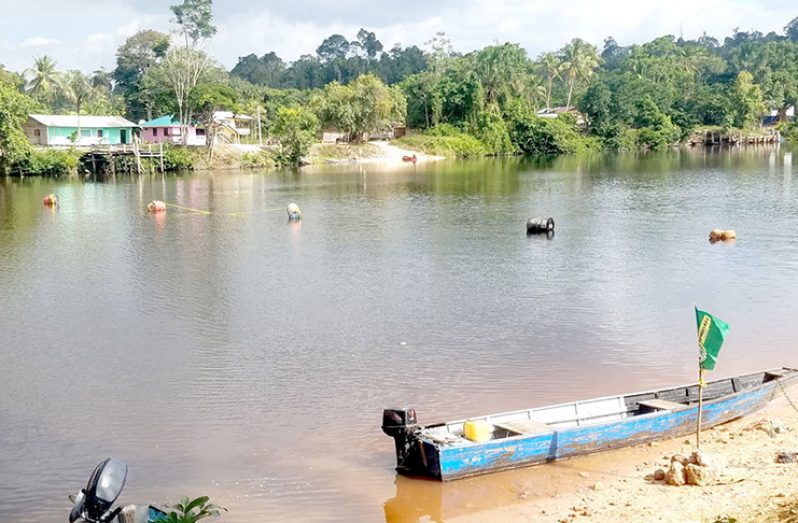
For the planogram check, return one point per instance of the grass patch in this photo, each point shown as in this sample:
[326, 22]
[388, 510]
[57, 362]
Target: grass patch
[321, 153]
[458, 146]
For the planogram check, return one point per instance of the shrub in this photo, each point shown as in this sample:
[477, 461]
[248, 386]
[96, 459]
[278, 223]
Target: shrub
[48, 162]
[790, 131]
[491, 130]
[178, 158]
[255, 160]
[461, 145]
[548, 136]
[191, 511]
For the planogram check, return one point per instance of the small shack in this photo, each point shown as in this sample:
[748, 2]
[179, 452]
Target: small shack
[74, 130]
[555, 112]
[167, 129]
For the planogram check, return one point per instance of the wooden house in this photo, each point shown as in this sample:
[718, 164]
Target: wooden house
[74, 130]
[231, 127]
[167, 129]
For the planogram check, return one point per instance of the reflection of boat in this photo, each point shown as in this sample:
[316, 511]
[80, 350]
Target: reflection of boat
[528, 437]
[419, 500]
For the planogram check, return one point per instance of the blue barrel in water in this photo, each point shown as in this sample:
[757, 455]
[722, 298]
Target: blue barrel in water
[539, 225]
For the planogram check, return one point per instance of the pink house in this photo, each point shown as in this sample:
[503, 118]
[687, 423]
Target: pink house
[167, 129]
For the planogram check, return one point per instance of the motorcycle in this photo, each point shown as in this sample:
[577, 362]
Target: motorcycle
[94, 504]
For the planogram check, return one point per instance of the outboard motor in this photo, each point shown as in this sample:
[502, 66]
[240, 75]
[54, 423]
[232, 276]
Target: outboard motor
[94, 504]
[401, 425]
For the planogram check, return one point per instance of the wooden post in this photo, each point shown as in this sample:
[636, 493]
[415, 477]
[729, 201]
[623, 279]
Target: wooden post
[160, 144]
[700, 407]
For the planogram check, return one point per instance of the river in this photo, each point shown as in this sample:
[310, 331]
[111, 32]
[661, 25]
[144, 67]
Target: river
[220, 350]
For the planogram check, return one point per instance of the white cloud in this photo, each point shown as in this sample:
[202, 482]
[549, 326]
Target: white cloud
[298, 27]
[38, 41]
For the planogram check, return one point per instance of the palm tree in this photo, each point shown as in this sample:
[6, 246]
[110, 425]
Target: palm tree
[78, 90]
[579, 60]
[42, 78]
[549, 65]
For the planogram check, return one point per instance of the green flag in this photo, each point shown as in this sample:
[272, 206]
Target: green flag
[711, 333]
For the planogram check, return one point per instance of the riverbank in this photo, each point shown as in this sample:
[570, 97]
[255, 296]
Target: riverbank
[370, 152]
[620, 486]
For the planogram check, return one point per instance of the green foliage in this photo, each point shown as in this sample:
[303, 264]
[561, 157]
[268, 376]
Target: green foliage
[366, 105]
[295, 127]
[266, 70]
[655, 128]
[489, 128]
[191, 511]
[194, 20]
[14, 109]
[42, 80]
[257, 160]
[619, 138]
[747, 101]
[790, 131]
[178, 158]
[48, 162]
[548, 136]
[140, 53]
[445, 143]
[579, 59]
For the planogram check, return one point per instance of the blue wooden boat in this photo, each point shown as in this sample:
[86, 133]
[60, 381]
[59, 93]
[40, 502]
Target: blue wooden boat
[539, 435]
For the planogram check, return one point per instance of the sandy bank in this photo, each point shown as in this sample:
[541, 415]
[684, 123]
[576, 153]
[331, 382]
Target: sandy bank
[381, 152]
[617, 486]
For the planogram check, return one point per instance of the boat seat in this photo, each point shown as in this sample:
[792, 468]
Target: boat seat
[774, 374]
[658, 404]
[524, 426]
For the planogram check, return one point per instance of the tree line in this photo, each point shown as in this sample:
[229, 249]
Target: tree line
[649, 95]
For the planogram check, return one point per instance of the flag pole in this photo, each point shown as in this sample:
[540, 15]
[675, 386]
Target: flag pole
[700, 406]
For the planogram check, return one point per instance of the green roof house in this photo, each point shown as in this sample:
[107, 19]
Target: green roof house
[62, 129]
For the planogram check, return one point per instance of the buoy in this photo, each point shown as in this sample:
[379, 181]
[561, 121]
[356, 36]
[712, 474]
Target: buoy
[539, 225]
[51, 200]
[156, 206]
[294, 213]
[721, 235]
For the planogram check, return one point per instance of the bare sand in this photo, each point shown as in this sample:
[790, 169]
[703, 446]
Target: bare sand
[619, 486]
[376, 152]
[391, 153]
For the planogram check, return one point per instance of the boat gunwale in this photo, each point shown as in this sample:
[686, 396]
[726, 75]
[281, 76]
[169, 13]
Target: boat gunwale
[468, 443]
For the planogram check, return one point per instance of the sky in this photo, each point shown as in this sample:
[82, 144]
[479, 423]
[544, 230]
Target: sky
[85, 34]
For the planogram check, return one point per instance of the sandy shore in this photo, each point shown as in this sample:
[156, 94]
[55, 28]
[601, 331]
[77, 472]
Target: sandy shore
[619, 486]
[391, 153]
[381, 152]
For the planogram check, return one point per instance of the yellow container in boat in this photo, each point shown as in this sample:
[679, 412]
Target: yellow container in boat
[477, 430]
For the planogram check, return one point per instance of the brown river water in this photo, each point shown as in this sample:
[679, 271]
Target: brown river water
[231, 354]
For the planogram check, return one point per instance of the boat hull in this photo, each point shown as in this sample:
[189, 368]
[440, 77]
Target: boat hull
[449, 462]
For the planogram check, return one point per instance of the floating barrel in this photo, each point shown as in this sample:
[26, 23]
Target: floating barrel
[156, 206]
[539, 225]
[294, 214]
[720, 235]
[51, 200]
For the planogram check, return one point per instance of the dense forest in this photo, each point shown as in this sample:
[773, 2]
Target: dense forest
[650, 95]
